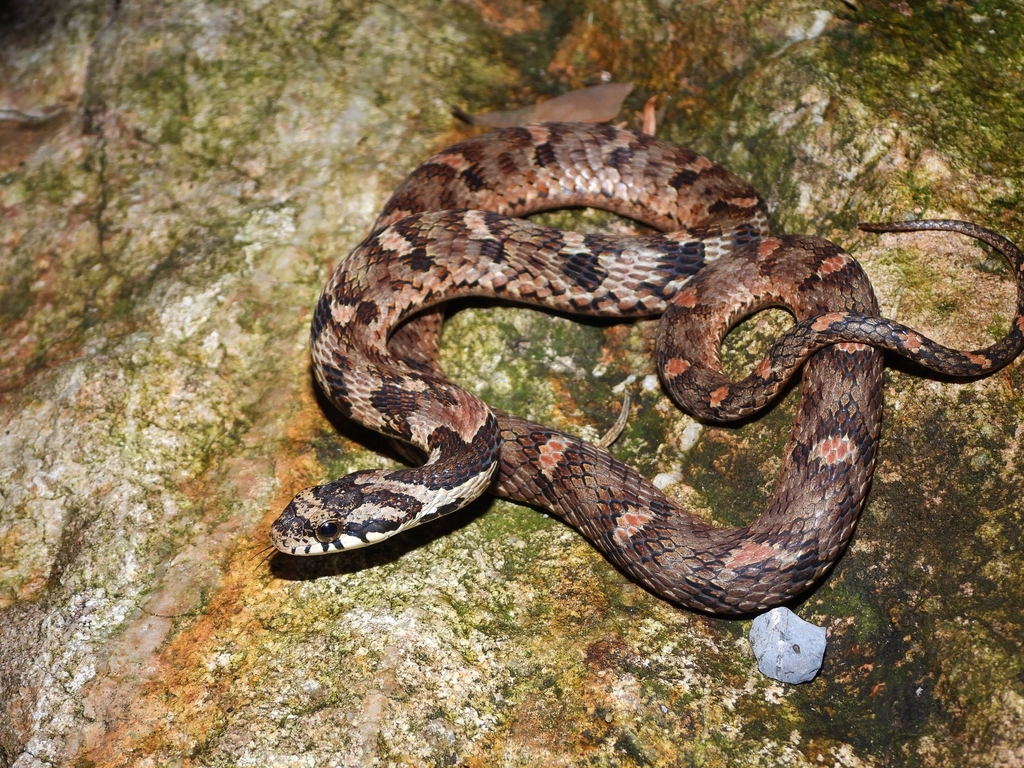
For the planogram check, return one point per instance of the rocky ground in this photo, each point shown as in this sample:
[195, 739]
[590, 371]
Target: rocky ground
[177, 178]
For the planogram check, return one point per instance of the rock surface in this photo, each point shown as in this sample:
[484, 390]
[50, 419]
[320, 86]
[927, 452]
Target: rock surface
[165, 228]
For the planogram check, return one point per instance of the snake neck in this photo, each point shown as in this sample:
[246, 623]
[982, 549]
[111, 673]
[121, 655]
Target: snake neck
[369, 506]
[455, 429]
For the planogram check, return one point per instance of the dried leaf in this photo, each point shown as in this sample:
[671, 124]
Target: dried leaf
[597, 104]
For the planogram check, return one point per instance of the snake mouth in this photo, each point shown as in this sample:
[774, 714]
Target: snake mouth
[310, 544]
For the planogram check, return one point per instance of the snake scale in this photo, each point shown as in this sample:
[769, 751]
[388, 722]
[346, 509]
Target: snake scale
[453, 229]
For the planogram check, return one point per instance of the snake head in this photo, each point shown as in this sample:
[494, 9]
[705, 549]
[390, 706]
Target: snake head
[353, 511]
[343, 514]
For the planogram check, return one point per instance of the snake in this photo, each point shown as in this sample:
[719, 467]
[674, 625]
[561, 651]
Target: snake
[456, 228]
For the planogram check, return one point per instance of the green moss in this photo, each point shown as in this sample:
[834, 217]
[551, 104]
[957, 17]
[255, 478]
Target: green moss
[15, 299]
[953, 73]
[735, 467]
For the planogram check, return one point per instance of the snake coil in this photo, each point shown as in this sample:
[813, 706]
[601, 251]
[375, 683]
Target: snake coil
[453, 229]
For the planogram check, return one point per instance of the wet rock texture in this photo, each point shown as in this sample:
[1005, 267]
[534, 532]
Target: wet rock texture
[176, 179]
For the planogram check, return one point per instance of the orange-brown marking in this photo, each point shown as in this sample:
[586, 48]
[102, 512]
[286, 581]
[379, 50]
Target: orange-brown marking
[454, 160]
[630, 525]
[835, 450]
[634, 521]
[824, 321]
[676, 366]
[744, 202]
[718, 396]
[393, 241]
[913, 341]
[832, 264]
[552, 454]
[768, 246]
[751, 553]
[687, 298]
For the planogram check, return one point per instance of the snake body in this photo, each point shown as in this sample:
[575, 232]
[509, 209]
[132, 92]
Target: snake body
[450, 231]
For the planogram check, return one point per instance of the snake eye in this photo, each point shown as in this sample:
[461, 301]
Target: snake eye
[327, 531]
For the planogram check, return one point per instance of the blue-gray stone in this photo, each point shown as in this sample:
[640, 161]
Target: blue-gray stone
[787, 648]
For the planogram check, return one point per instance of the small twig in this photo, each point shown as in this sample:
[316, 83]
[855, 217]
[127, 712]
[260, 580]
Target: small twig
[620, 424]
[10, 115]
[462, 115]
[650, 123]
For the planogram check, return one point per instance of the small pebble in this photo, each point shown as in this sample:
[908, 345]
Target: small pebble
[788, 649]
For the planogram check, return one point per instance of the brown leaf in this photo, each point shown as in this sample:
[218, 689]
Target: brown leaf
[598, 104]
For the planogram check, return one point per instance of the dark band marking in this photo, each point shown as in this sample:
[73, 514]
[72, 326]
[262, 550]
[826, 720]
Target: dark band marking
[321, 317]
[620, 157]
[685, 178]
[493, 250]
[545, 155]
[473, 178]
[418, 260]
[367, 313]
[585, 268]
